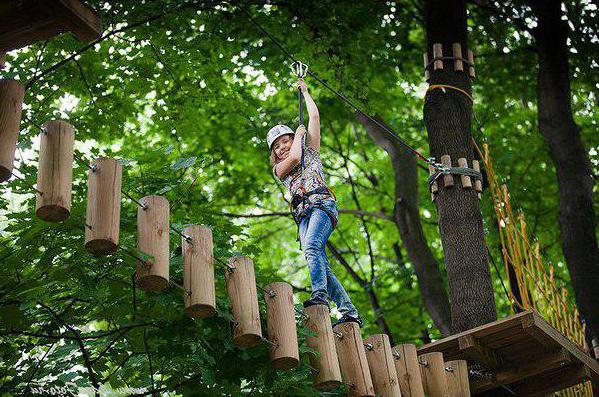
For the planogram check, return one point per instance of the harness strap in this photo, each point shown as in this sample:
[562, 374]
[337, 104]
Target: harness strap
[455, 171]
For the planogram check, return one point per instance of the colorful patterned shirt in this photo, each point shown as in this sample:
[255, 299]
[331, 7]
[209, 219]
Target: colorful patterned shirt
[313, 178]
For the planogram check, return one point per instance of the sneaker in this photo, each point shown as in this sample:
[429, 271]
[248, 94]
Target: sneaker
[349, 319]
[316, 301]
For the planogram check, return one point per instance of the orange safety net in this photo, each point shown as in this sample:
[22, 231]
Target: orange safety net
[535, 277]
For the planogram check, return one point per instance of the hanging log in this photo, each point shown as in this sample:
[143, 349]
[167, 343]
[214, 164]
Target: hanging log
[282, 331]
[327, 374]
[103, 212]
[457, 378]
[408, 370]
[198, 272]
[55, 172]
[432, 369]
[352, 359]
[153, 240]
[241, 287]
[382, 367]
[11, 105]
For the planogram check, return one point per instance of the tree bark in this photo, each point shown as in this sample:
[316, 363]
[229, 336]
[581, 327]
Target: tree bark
[575, 184]
[447, 115]
[407, 220]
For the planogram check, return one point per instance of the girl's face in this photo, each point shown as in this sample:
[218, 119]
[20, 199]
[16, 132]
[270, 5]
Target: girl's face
[282, 145]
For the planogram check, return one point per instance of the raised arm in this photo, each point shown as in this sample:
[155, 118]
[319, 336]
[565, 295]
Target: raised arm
[295, 154]
[313, 139]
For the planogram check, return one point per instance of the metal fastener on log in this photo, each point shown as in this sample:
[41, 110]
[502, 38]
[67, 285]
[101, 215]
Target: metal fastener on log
[153, 240]
[103, 212]
[11, 106]
[457, 378]
[55, 171]
[408, 370]
[382, 367]
[282, 331]
[432, 369]
[327, 374]
[198, 272]
[352, 359]
[241, 287]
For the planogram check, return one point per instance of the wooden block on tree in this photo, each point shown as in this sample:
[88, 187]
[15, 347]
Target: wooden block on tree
[478, 183]
[432, 370]
[457, 378]
[198, 272]
[466, 181]
[352, 359]
[55, 171]
[153, 240]
[327, 374]
[471, 64]
[408, 370]
[437, 53]
[11, 106]
[103, 213]
[382, 366]
[427, 74]
[447, 178]
[282, 331]
[458, 65]
[241, 288]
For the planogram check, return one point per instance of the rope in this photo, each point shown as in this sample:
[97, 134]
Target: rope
[451, 87]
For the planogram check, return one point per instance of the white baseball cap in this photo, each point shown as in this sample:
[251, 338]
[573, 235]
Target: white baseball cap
[276, 132]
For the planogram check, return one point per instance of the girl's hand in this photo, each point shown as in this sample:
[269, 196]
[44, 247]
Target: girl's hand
[301, 130]
[301, 84]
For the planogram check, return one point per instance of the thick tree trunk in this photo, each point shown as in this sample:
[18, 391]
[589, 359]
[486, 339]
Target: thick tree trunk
[575, 184]
[407, 220]
[447, 115]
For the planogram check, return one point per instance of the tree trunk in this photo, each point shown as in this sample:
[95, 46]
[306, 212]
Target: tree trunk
[575, 184]
[447, 115]
[407, 220]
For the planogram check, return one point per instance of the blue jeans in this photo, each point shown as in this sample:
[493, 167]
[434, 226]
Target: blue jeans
[315, 227]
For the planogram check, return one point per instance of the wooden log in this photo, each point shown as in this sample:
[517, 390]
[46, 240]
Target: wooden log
[478, 183]
[11, 106]
[427, 74]
[241, 287]
[437, 53]
[352, 359]
[198, 272]
[447, 178]
[471, 72]
[103, 213]
[382, 366]
[457, 378]
[153, 241]
[282, 331]
[408, 370]
[458, 65]
[466, 181]
[55, 172]
[432, 370]
[595, 344]
[435, 185]
[327, 374]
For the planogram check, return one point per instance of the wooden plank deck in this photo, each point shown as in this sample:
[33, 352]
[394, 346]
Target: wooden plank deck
[521, 352]
[24, 22]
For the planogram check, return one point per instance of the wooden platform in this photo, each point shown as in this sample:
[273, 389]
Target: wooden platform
[522, 352]
[23, 22]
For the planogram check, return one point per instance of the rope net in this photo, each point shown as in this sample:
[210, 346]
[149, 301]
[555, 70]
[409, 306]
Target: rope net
[534, 277]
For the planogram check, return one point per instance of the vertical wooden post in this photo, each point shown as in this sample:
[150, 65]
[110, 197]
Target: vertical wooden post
[11, 106]
[478, 184]
[282, 331]
[471, 72]
[408, 370]
[55, 172]
[153, 240]
[457, 378]
[466, 181]
[458, 65]
[437, 53]
[103, 212]
[198, 272]
[241, 287]
[434, 186]
[447, 178]
[382, 367]
[427, 74]
[432, 369]
[327, 374]
[352, 359]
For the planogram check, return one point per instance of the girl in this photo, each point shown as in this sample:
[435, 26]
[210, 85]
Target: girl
[313, 205]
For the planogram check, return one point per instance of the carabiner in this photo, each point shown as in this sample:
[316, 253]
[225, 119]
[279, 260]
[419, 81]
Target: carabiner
[299, 69]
